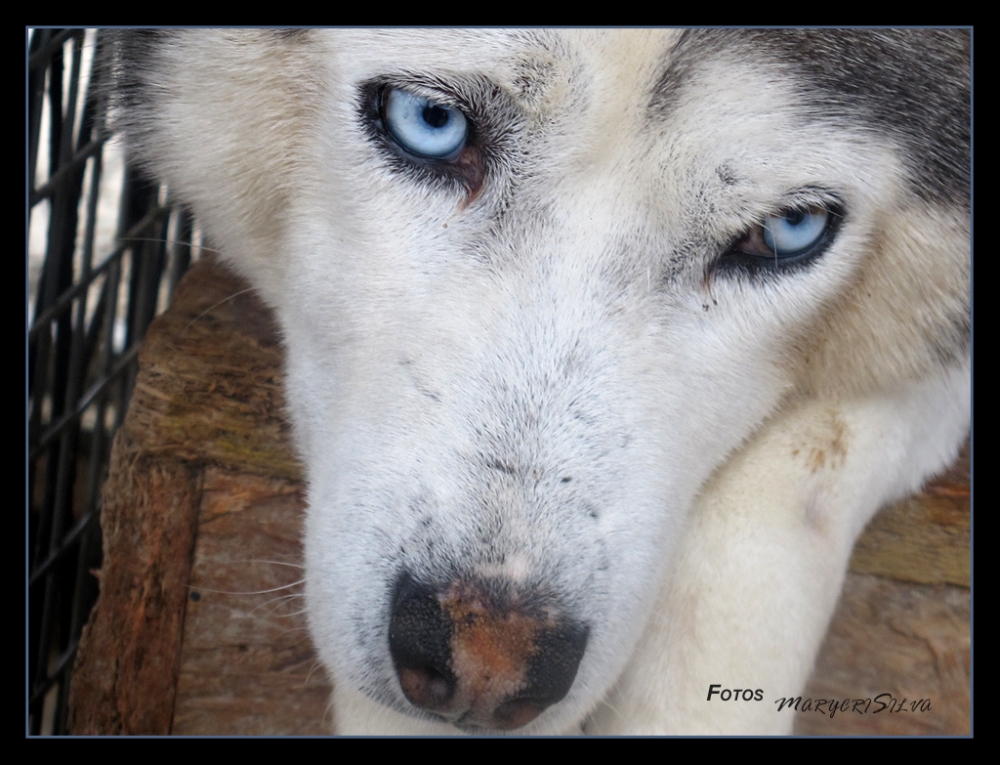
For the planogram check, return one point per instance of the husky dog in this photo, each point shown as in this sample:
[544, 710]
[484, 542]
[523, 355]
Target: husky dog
[602, 346]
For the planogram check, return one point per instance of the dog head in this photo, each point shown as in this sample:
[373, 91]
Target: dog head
[536, 287]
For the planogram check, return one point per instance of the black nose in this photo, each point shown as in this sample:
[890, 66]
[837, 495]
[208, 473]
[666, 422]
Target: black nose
[480, 658]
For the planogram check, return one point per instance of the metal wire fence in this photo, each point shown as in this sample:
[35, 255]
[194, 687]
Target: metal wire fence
[105, 251]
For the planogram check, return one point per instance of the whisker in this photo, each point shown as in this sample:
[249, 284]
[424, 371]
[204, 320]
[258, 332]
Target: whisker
[276, 605]
[211, 308]
[165, 240]
[272, 563]
[249, 592]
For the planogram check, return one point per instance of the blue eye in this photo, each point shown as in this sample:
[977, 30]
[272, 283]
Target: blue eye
[793, 237]
[794, 231]
[423, 127]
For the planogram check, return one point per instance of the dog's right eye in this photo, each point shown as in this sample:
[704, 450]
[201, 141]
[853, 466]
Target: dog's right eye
[424, 127]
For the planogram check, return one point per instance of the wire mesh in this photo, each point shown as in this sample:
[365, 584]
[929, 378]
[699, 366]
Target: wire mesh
[105, 250]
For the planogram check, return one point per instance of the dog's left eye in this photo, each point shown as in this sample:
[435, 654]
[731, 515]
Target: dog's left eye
[424, 127]
[788, 235]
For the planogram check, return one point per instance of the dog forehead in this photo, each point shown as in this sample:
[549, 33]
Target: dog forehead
[524, 62]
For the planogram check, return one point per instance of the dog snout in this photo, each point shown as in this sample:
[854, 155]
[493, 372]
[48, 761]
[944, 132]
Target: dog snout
[480, 657]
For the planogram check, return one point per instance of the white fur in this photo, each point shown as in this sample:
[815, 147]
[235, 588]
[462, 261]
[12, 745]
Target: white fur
[726, 439]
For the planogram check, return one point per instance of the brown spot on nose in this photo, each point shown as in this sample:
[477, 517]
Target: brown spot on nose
[490, 651]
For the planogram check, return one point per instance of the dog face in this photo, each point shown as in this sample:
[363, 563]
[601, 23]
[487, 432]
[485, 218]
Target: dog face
[535, 287]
